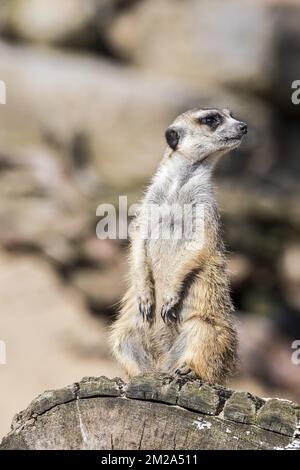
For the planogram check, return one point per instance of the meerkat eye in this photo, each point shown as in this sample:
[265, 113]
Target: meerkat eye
[212, 120]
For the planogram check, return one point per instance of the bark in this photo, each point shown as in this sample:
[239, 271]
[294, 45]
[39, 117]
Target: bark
[153, 412]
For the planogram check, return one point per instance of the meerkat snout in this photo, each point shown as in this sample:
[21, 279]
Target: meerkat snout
[199, 133]
[243, 127]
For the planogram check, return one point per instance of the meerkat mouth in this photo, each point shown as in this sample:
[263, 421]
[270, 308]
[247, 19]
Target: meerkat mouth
[233, 139]
[232, 142]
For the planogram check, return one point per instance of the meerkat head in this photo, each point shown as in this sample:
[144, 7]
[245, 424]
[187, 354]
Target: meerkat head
[203, 134]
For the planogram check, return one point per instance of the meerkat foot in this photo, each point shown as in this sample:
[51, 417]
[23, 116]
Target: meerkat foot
[146, 307]
[186, 372]
[169, 311]
[183, 370]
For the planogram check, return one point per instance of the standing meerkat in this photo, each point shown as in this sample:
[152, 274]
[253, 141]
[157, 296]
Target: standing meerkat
[176, 317]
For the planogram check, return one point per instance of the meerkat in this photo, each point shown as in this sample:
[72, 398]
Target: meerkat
[177, 316]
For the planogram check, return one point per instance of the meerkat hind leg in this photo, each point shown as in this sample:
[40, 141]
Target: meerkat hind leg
[203, 350]
[131, 350]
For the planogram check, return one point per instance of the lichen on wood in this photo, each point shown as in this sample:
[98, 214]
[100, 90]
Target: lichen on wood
[153, 412]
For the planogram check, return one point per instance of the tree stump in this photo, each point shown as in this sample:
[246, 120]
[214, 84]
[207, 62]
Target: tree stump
[153, 412]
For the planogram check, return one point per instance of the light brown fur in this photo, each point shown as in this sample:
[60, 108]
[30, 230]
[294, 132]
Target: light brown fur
[182, 290]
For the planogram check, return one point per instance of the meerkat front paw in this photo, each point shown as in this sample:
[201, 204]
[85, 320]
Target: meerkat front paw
[146, 306]
[169, 310]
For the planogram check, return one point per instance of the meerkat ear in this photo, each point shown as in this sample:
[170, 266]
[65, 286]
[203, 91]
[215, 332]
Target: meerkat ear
[172, 137]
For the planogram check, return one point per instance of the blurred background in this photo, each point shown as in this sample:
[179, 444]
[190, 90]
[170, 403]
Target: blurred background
[91, 87]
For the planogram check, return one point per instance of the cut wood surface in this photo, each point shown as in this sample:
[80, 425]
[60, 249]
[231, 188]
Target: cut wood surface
[153, 412]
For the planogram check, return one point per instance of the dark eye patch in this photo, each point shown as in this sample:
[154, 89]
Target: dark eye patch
[211, 120]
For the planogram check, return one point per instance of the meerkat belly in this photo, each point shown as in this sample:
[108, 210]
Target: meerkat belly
[163, 256]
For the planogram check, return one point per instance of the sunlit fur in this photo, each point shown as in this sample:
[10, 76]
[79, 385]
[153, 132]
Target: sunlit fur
[171, 274]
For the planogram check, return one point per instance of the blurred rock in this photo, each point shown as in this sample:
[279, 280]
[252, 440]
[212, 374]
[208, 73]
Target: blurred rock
[290, 264]
[211, 40]
[50, 338]
[102, 252]
[266, 356]
[73, 23]
[112, 119]
[40, 205]
[285, 59]
[121, 112]
[103, 288]
[289, 273]
[286, 169]
[240, 268]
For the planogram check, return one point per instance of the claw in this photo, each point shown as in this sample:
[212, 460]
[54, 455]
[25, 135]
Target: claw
[163, 314]
[146, 309]
[149, 312]
[169, 313]
[142, 310]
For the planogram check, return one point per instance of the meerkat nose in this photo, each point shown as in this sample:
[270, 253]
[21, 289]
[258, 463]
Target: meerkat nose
[243, 127]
